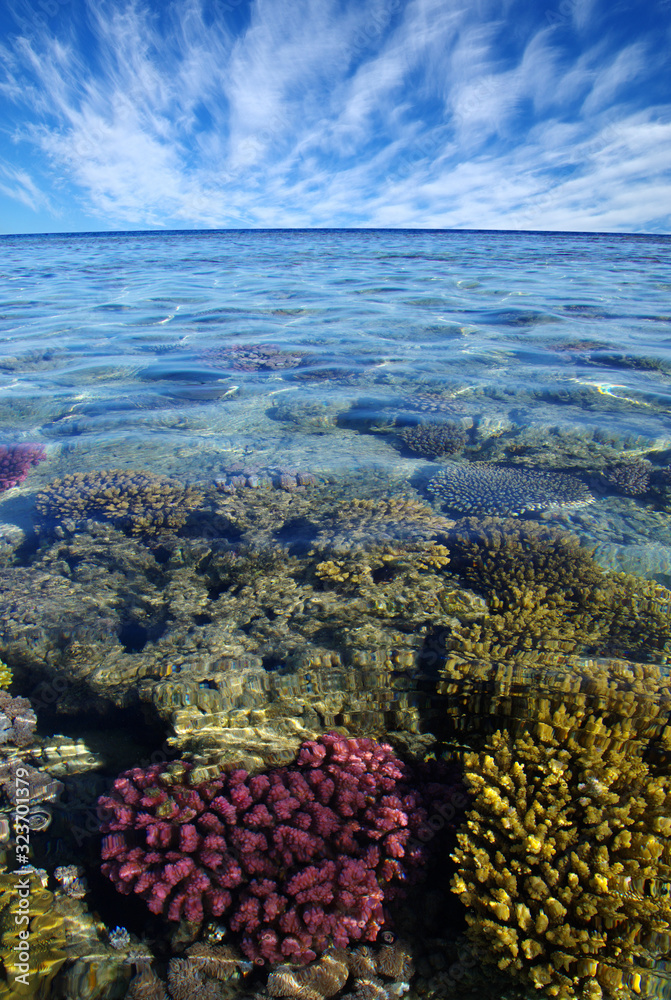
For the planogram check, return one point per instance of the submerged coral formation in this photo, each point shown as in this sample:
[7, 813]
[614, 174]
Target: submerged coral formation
[28, 961]
[565, 858]
[253, 358]
[238, 477]
[481, 694]
[630, 478]
[17, 720]
[297, 858]
[434, 440]
[479, 488]
[364, 972]
[137, 502]
[359, 523]
[546, 594]
[16, 461]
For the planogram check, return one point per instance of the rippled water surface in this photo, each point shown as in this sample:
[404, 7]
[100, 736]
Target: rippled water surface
[324, 410]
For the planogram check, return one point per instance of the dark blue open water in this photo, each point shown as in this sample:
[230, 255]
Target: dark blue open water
[283, 375]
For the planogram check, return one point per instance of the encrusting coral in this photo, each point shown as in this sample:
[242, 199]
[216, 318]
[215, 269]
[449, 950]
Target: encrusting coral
[564, 862]
[137, 502]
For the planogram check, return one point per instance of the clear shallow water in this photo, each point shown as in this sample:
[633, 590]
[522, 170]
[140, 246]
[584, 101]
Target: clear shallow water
[205, 356]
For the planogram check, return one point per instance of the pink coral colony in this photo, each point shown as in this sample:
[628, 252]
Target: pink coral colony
[15, 463]
[299, 858]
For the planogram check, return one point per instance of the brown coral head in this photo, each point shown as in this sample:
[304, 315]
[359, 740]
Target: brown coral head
[630, 478]
[434, 440]
[137, 502]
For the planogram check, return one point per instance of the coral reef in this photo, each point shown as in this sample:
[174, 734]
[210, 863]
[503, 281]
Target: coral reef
[358, 523]
[434, 401]
[479, 488]
[238, 477]
[253, 358]
[311, 416]
[481, 695]
[28, 962]
[565, 854]
[137, 502]
[546, 594]
[237, 711]
[302, 857]
[630, 478]
[17, 720]
[50, 621]
[5, 677]
[16, 461]
[434, 440]
[362, 971]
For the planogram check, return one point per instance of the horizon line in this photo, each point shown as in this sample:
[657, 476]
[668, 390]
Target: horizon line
[332, 229]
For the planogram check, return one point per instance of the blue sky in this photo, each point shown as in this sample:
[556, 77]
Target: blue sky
[486, 114]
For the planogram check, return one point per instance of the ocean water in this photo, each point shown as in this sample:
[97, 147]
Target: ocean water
[281, 378]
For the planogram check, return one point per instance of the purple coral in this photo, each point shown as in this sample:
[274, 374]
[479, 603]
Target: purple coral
[300, 858]
[16, 461]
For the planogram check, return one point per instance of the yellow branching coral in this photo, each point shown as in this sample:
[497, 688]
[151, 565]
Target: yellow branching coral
[564, 861]
[139, 503]
[5, 675]
[359, 524]
[546, 594]
[481, 693]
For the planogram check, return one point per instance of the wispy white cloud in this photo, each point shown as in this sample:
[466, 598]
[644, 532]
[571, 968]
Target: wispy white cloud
[19, 186]
[331, 112]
